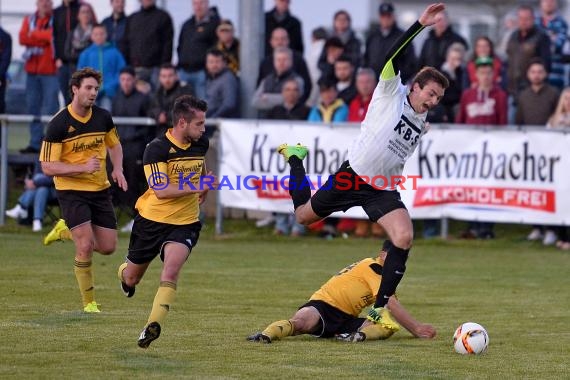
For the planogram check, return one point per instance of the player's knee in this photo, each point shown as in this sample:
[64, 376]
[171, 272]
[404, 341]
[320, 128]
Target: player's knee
[85, 247]
[304, 217]
[301, 325]
[403, 239]
[106, 249]
[301, 219]
[170, 274]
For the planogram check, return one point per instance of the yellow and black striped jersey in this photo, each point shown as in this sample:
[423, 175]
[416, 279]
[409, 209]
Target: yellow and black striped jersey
[73, 139]
[353, 288]
[165, 159]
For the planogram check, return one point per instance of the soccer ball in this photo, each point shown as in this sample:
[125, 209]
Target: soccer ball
[470, 338]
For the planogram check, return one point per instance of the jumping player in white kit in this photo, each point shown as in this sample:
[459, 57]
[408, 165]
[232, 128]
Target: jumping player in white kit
[389, 134]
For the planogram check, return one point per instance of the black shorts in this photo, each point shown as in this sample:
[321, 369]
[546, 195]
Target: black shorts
[149, 237]
[340, 196]
[333, 321]
[79, 207]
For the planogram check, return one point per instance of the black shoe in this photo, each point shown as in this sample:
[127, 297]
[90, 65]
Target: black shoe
[259, 337]
[351, 337]
[128, 291]
[29, 149]
[151, 332]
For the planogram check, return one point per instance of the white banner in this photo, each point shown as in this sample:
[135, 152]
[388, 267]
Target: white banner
[468, 174]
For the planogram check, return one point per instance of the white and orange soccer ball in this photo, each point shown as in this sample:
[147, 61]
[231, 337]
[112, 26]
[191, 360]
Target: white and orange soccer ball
[470, 338]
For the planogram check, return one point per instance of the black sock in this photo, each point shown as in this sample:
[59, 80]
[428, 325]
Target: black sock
[299, 188]
[392, 273]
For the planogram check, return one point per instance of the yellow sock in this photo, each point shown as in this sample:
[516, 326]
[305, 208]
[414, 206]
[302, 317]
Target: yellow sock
[84, 276]
[162, 301]
[121, 269]
[66, 234]
[375, 332]
[279, 329]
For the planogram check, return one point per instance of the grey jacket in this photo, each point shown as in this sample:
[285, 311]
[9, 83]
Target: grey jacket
[222, 95]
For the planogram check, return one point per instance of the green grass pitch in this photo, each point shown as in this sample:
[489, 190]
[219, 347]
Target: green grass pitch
[233, 286]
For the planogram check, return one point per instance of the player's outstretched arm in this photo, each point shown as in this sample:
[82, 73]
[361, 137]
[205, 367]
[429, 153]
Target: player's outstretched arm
[428, 18]
[404, 318]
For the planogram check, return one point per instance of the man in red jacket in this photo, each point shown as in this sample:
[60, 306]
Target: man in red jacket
[42, 85]
[484, 104]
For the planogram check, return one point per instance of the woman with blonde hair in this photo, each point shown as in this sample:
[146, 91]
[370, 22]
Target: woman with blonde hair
[561, 119]
[561, 116]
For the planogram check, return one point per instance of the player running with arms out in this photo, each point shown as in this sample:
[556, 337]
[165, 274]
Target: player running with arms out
[167, 220]
[74, 151]
[389, 134]
[334, 309]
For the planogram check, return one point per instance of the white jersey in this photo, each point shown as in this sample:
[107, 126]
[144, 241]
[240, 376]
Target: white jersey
[389, 134]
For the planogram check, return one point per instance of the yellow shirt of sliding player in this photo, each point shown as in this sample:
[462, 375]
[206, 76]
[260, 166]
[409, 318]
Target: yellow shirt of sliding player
[353, 288]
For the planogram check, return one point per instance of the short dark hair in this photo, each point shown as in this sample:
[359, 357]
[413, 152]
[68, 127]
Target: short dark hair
[185, 107]
[526, 7]
[344, 58]
[78, 76]
[168, 66]
[334, 42]
[99, 26]
[536, 61]
[216, 53]
[128, 70]
[428, 74]
[326, 83]
[319, 33]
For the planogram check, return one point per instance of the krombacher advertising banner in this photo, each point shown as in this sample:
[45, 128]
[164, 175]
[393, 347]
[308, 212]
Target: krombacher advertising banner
[499, 175]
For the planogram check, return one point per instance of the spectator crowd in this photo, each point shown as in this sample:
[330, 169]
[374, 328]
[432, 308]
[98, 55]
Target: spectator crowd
[519, 81]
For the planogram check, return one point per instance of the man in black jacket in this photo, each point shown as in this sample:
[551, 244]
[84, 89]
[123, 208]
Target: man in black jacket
[280, 39]
[440, 38]
[170, 88]
[147, 42]
[198, 34]
[279, 17]
[64, 21]
[115, 23]
[381, 39]
[129, 102]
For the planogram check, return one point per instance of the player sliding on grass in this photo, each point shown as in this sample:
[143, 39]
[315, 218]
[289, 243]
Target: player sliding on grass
[333, 310]
[389, 134]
